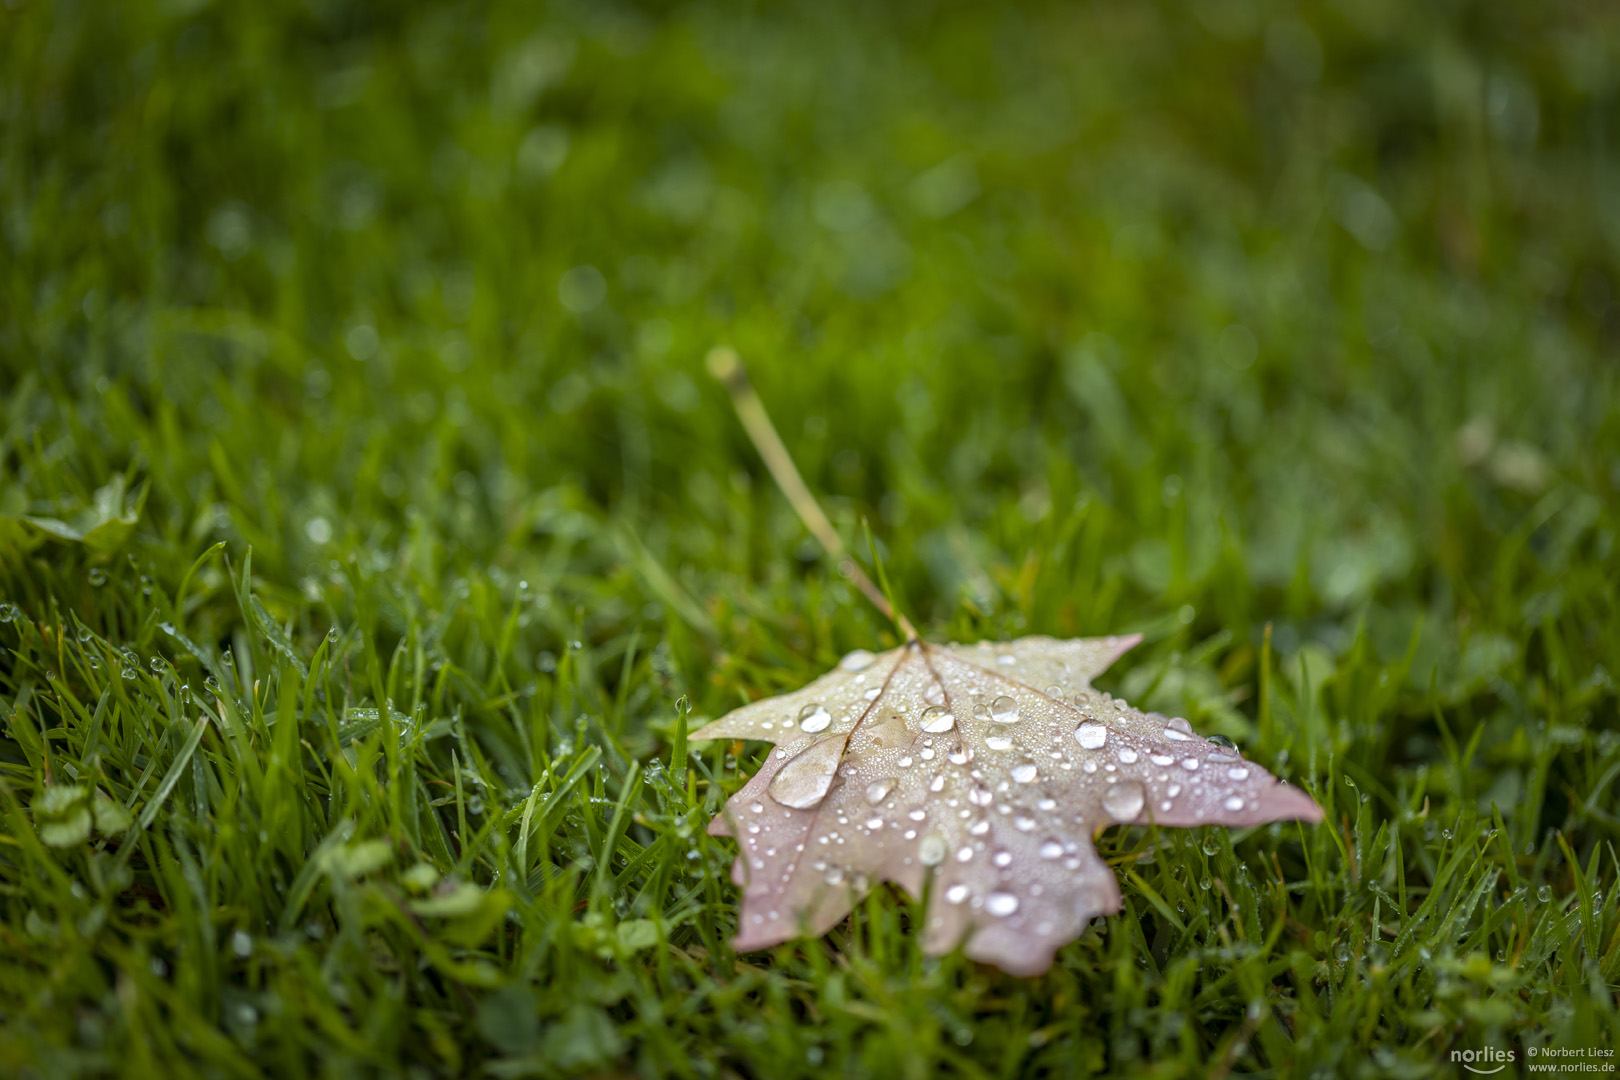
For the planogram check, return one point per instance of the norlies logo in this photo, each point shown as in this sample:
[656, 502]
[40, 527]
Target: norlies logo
[1484, 1062]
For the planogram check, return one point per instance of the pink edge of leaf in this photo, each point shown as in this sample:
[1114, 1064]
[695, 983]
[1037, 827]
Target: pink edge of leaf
[702, 734]
[1284, 802]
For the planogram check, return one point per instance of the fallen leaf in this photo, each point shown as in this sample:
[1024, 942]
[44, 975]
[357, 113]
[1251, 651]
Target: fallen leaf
[986, 768]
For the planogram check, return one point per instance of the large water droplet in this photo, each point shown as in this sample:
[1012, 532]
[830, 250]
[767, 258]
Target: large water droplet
[1051, 849]
[1024, 773]
[956, 894]
[1002, 858]
[980, 796]
[1091, 735]
[803, 782]
[1190, 764]
[1223, 742]
[859, 660]
[937, 719]
[965, 853]
[1004, 710]
[931, 850]
[998, 742]
[1233, 803]
[1127, 755]
[1124, 801]
[814, 718]
[1001, 904]
[1238, 772]
[878, 790]
[937, 783]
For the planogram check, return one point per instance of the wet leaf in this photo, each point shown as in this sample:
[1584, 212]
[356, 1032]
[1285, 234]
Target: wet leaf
[977, 775]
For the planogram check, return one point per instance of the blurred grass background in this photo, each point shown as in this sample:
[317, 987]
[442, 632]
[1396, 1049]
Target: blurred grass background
[1102, 318]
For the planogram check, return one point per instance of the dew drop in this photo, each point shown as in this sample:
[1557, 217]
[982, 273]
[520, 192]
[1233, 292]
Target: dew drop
[814, 718]
[980, 795]
[935, 694]
[919, 814]
[1001, 904]
[1127, 755]
[1004, 710]
[1233, 803]
[1051, 849]
[1223, 742]
[1024, 773]
[1002, 858]
[1091, 735]
[1190, 764]
[931, 850]
[1176, 734]
[1124, 801]
[998, 742]
[937, 719]
[1023, 823]
[1161, 759]
[859, 660]
[956, 894]
[1006, 659]
[878, 790]
[965, 853]
[803, 782]
[959, 755]
[937, 783]
[1544, 894]
[1238, 773]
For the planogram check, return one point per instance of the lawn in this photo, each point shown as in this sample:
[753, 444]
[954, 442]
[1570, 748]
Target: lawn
[372, 534]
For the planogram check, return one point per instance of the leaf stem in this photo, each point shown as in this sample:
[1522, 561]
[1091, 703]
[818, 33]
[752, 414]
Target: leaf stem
[726, 366]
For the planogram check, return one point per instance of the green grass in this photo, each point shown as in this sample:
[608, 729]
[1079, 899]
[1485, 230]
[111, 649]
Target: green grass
[370, 535]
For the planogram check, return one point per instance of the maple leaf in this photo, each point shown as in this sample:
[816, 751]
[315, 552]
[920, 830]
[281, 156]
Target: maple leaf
[989, 768]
